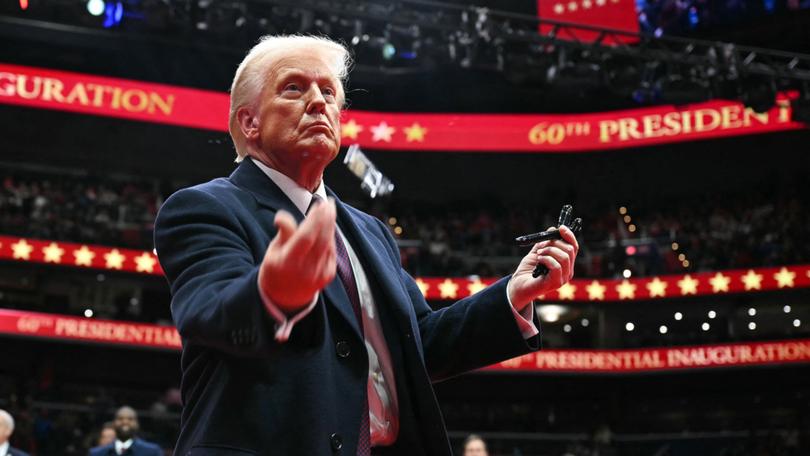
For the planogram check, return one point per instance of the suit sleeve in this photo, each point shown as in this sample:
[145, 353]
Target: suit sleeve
[213, 276]
[474, 332]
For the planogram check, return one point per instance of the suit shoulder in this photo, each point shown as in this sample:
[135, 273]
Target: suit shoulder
[101, 450]
[16, 452]
[150, 446]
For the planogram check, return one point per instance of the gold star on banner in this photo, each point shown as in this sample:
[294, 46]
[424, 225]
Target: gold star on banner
[657, 288]
[688, 285]
[448, 289]
[350, 129]
[626, 290]
[784, 278]
[567, 291]
[84, 257]
[752, 280]
[423, 286]
[114, 259]
[572, 6]
[720, 282]
[145, 263]
[415, 132]
[476, 286]
[22, 250]
[559, 9]
[53, 253]
[382, 132]
[600, 2]
[596, 291]
[587, 4]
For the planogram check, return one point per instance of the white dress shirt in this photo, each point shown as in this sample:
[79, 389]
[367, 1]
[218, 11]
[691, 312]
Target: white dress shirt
[120, 446]
[4, 448]
[381, 388]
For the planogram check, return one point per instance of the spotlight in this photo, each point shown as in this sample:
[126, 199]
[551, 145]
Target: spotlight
[752, 311]
[752, 326]
[663, 329]
[626, 273]
[95, 7]
[678, 316]
[797, 323]
[113, 13]
[629, 326]
[88, 313]
[567, 328]
[712, 314]
[705, 326]
[585, 322]
[786, 309]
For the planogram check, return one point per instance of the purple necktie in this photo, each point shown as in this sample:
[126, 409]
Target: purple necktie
[344, 271]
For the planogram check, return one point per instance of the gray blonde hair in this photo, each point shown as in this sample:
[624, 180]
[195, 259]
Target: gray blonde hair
[8, 418]
[251, 74]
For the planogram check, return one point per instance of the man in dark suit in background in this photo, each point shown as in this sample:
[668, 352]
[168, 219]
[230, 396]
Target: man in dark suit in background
[6, 429]
[301, 332]
[126, 443]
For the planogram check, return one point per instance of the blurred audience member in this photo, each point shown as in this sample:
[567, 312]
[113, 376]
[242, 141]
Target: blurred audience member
[126, 443]
[107, 434]
[474, 445]
[6, 429]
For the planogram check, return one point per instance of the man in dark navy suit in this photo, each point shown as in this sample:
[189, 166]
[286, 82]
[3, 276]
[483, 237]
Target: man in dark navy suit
[126, 443]
[6, 429]
[302, 334]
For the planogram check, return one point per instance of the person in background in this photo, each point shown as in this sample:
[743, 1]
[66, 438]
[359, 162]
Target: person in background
[107, 434]
[6, 429]
[474, 445]
[126, 428]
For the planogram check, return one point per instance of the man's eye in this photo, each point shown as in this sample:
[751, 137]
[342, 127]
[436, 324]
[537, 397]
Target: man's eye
[328, 91]
[292, 87]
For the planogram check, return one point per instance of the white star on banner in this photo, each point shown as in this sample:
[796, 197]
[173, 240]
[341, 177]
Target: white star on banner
[382, 132]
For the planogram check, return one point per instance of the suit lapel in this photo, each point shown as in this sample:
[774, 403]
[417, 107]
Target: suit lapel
[249, 177]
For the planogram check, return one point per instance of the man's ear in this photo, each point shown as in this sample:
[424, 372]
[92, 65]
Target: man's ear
[248, 123]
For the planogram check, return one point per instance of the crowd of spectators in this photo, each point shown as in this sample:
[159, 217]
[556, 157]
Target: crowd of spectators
[79, 208]
[757, 227]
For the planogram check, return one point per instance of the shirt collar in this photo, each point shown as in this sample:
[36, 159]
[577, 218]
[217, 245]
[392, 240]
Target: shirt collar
[121, 446]
[299, 196]
[4, 448]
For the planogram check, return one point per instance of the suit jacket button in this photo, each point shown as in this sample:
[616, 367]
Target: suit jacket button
[343, 349]
[337, 442]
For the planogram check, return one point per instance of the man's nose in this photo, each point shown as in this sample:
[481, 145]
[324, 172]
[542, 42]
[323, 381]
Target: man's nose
[317, 103]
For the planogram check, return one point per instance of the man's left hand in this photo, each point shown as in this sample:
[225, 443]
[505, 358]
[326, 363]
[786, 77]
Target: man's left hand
[558, 255]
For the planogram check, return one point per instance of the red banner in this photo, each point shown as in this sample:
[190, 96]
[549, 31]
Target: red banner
[79, 255]
[441, 288]
[660, 359]
[75, 92]
[63, 327]
[610, 14]
[52, 326]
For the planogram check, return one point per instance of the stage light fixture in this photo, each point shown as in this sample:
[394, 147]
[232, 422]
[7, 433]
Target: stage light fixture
[797, 323]
[629, 326]
[567, 328]
[712, 314]
[585, 322]
[752, 311]
[88, 313]
[95, 7]
[678, 316]
[786, 309]
[113, 14]
[626, 273]
[752, 326]
[663, 329]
